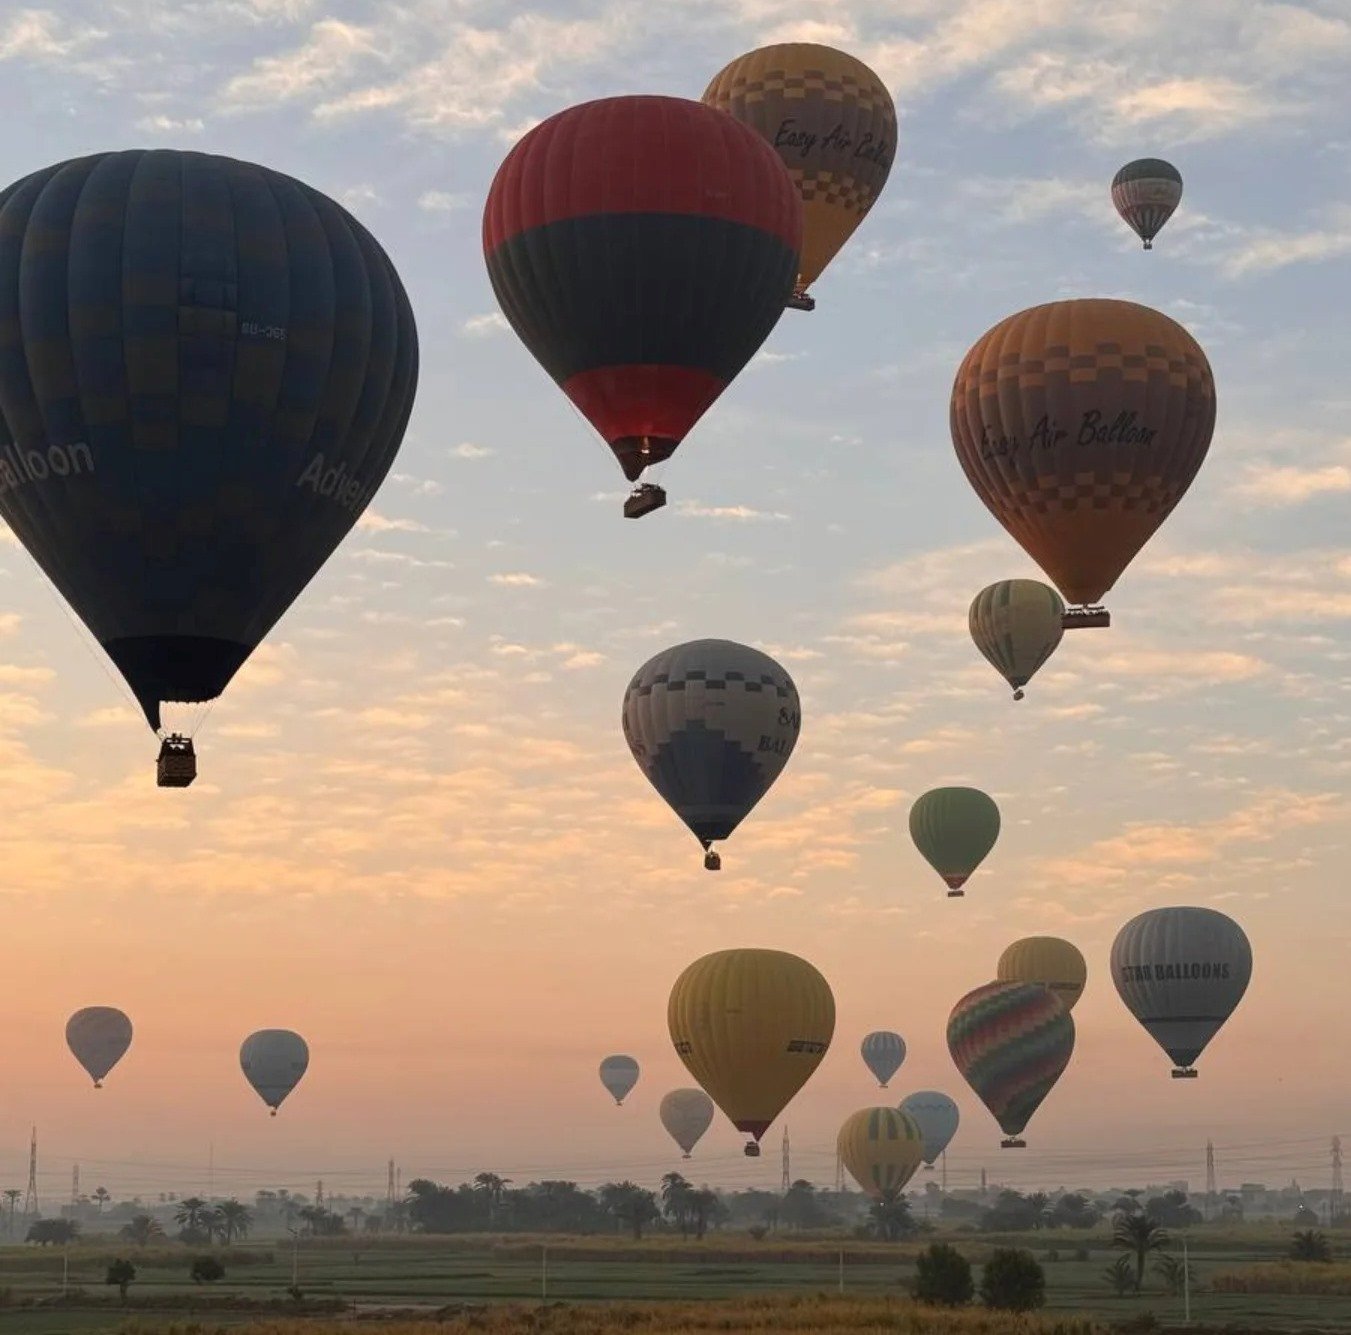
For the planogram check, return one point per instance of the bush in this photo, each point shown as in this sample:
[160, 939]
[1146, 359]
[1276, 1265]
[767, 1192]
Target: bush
[1013, 1281]
[944, 1277]
[206, 1270]
[1310, 1245]
[120, 1273]
[1120, 1276]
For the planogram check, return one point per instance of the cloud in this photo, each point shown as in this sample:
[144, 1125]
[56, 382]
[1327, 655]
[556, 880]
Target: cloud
[171, 125]
[443, 201]
[372, 521]
[466, 449]
[333, 51]
[485, 325]
[1271, 250]
[697, 510]
[517, 580]
[1292, 485]
[39, 35]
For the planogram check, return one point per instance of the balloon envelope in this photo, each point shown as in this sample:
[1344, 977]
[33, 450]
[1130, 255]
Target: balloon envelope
[686, 1114]
[937, 1116]
[881, 1148]
[273, 1060]
[99, 1036]
[1017, 624]
[619, 1074]
[883, 1052]
[1049, 961]
[1145, 193]
[954, 829]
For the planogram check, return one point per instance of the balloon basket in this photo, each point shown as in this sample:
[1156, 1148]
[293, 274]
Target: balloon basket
[1085, 618]
[643, 499]
[1012, 1143]
[177, 763]
[752, 1151]
[712, 861]
[800, 301]
[1184, 1073]
[956, 894]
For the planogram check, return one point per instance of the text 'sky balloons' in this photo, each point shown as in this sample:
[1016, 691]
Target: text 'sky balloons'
[1081, 424]
[1049, 961]
[619, 1074]
[99, 1036]
[642, 248]
[273, 1060]
[1011, 1042]
[1181, 973]
[206, 369]
[1145, 193]
[686, 1114]
[883, 1052]
[954, 828]
[711, 723]
[751, 1026]
[1017, 624]
[831, 120]
[881, 1148]
[938, 1118]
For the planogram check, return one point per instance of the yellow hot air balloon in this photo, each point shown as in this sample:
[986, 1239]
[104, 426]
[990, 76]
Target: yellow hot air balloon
[834, 125]
[881, 1148]
[751, 1026]
[1016, 624]
[1046, 960]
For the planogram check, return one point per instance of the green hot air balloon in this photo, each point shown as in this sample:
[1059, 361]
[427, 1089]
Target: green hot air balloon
[954, 828]
[1017, 624]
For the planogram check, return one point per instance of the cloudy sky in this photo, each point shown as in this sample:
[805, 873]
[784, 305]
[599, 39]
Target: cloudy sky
[418, 837]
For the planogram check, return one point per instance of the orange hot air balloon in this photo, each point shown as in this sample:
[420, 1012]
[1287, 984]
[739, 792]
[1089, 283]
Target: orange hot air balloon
[1081, 424]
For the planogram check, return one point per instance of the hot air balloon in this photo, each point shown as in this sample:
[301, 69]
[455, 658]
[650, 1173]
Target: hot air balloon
[751, 1026]
[1181, 973]
[881, 1148]
[937, 1116]
[1081, 424]
[207, 369]
[1017, 624]
[642, 248]
[1145, 193]
[99, 1036]
[954, 828]
[686, 1114]
[1046, 960]
[273, 1060]
[619, 1074]
[711, 723]
[831, 121]
[1011, 1042]
[883, 1052]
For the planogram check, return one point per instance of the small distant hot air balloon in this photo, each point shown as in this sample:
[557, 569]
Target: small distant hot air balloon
[686, 1114]
[1017, 624]
[619, 1074]
[1081, 424]
[881, 1148]
[751, 1026]
[711, 724]
[831, 121]
[273, 1060]
[99, 1036]
[642, 248]
[938, 1118]
[1182, 972]
[954, 828]
[1049, 961]
[883, 1052]
[1145, 193]
[1011, 1042]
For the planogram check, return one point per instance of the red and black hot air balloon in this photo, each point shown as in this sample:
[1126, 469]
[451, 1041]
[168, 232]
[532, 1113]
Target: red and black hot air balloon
[642, 248]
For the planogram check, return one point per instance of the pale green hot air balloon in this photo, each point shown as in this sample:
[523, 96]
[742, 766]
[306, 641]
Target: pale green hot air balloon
[686, 1114]
[99, 1036]
[618, 1074]
[1017, 624]
[954, 828]
[273, 1060]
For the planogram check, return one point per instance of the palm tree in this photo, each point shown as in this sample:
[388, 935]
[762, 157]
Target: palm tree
[677, 1201]
[102, 1196]
[493, 1187]
[706, 1207]
[1138, 1235]
[191, 1217]
[142, 1230]
[235, 1220]
[1039, 1205]
[1310, 1245]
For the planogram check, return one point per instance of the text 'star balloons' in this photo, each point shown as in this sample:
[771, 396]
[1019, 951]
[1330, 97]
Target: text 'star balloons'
[642, 248]
[883, 1052]
[1181, 972]
[1049, 961]
[273, 1060]
[831, 120]
[99, 1036]
[881, 1148]
[954, 829]
[938, 1119]
[619, 1074]
[1011, 1042]
[1081, 424]
[1017, 624]
[1145, 193]
[206, 369]
[711, 723]
[686, 1114]
[751, 1026]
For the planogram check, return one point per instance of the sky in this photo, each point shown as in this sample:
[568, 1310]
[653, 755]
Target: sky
[418, 837]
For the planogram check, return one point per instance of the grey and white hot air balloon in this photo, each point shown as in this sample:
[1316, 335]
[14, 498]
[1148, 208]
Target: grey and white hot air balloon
[686, 1114]
[937, 1116]
[1181, 972]
[1145, 193]
[99, 1036]
[711, 724]
[273, 1060]
[883, 1052]
[619, 1074]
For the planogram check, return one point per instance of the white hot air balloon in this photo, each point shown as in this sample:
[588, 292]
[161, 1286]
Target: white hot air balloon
[937, 1116]
[1181, 973]
[686, 1114]
[883, 1052]
[99, 1036]
[619, 1074]
[273, 1060]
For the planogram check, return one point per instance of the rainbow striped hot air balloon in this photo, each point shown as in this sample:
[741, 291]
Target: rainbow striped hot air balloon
[1011, 1042]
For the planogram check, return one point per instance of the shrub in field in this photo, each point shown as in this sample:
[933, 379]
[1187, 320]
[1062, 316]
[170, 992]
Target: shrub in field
[1174, 1274]
[944, 1277]
[121, 1273]
[1310, 1245]
[1294, 1277]
[1120, 1276]
[1012, 1281]
[206, 1270]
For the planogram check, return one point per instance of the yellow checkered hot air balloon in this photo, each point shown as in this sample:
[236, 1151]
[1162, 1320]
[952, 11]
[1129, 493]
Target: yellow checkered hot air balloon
[1046, 960]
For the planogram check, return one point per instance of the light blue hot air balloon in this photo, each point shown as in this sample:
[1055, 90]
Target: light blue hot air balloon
[273, 1060]
[883, 1052]
[937, 1116]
